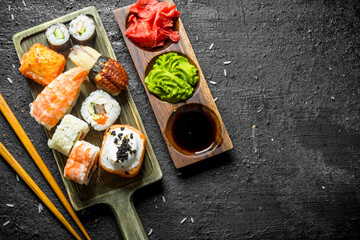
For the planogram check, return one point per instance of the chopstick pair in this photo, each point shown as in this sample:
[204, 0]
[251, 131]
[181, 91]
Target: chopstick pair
[14, 123]
[22, 173]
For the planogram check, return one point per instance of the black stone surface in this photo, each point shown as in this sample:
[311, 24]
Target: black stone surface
[290, 102]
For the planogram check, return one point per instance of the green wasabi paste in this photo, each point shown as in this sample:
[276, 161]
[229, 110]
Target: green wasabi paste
[172, 78]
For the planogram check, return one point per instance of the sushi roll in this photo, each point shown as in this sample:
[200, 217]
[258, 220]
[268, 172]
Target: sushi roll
[122, 151]
[67, 133]
[82, 29]
[106, 73]
[81, 162]
[58, 37]
[100, 110]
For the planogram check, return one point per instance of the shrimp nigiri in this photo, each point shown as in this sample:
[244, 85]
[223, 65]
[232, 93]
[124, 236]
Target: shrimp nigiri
[58, 97]
[81, 162]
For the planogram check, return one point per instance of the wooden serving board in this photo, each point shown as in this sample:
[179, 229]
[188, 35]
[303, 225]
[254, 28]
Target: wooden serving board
[104, 187]
[144, 60]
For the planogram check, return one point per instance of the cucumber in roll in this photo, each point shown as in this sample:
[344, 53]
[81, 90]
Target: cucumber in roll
[82, 29]
[106, 73]
[58, 37]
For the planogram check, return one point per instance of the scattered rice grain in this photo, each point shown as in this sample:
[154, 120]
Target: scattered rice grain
[10, 205]
[182, 221]
[9, 8]
[40, 208]
[13, 66]
[192, 220]
[150, 232]
[227, 62]
[9, 79]
[225, 72]
[17, 178]
[215, 99]
[12, 17]
[163, 198]
[211, 46]
[6, 223]
[24, 3]
[213, 82]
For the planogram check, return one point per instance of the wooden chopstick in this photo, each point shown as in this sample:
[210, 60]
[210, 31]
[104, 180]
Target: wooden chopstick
[10, 117]
[22, 173]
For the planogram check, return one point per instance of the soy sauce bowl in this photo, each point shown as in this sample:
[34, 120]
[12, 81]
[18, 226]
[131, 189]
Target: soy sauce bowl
[193, 129]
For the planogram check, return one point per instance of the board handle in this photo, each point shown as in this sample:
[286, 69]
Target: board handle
[126, 216]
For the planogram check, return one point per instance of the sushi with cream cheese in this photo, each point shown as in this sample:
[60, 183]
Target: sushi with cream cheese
[58, 37]
[81, 163]
[122, 151]
[70, 130]
[106, 73]
[100, 110]
[82, 29]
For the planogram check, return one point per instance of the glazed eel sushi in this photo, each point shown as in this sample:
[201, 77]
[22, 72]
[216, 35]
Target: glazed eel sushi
[106, 73]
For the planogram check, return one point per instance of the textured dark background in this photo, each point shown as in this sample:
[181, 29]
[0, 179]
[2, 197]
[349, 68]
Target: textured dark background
[290, 103]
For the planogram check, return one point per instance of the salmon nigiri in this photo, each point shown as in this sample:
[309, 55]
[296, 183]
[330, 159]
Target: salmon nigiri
[81, 162]
[58, 97]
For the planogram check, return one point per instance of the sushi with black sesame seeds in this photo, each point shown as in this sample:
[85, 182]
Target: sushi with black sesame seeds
[122, 155]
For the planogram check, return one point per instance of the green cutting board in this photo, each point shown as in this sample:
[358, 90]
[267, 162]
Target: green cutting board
[104, 187]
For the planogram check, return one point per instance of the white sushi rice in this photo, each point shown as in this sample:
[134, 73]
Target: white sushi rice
[67, 133]
[85, 170]
[182, 221]
[6, 223]
[51, 37]
[109, 159]
[213, 82]
[88, 24]
[110, 105]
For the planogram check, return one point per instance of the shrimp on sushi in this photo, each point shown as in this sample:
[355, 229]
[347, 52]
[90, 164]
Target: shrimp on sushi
[81, 162]
[58, 97]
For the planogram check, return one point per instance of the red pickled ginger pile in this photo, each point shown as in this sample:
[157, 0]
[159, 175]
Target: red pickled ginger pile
[151, 22]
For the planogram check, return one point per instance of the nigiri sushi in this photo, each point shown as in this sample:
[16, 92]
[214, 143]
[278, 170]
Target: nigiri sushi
[67, 133]
[81, 162]
[122, 151]
[58, 97]
[106, 73]
[42, 64]
[100, 110]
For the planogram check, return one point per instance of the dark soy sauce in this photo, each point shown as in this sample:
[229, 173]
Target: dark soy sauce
[193, 130]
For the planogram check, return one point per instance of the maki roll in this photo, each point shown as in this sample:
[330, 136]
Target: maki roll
[122, 151]
[106, 73]
[100, 110]
[67, 133]
[82, 29]
[81, 162]
[58, 37]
